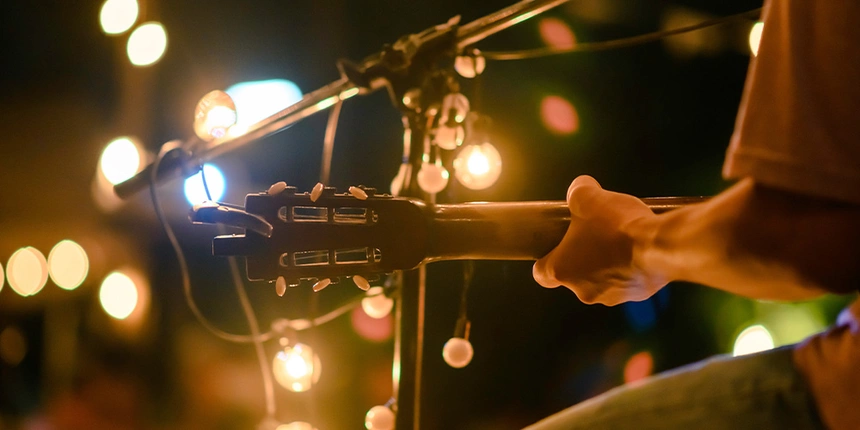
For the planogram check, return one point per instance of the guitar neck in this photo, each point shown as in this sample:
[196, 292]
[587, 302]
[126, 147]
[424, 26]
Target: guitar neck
[510, 231]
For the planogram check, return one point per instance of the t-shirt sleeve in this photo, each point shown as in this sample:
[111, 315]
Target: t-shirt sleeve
[798, 127]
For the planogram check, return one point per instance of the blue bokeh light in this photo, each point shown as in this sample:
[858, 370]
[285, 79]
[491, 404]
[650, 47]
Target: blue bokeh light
[195, 192]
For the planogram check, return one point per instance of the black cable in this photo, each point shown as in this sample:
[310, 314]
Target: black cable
[618, 43]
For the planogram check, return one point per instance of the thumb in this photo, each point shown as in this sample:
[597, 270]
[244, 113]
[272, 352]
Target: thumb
[580, 192]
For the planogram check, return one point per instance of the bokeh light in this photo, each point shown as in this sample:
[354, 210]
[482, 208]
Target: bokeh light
[117, 16]
[558, 115]
[379, 418]
[147, 44]
[27, 271]
[372, 329]
[296, 425]
[257, 100]
[297, 368]
[376, 304]
[120, 160]
[638, 367]
[118, 295]
[13, 346]
[195, 192]
[556, 33]
[478, 166]
[753, 339]
[68, 264]
[755, 37]
[214, 115]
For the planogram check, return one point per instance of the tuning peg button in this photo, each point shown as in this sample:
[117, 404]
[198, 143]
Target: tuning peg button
[277, 188]
[322, 283]
[361, 282]
[281, 286]
[317, 191]
[358, 193]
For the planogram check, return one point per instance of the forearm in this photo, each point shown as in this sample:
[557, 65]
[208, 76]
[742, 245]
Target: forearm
[756, 242]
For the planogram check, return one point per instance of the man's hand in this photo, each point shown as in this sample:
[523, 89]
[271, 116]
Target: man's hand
[595, 259]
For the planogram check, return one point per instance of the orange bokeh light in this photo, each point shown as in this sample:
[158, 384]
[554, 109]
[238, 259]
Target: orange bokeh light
[372, 329]
[556, 34]
[558, 115]
[638, 367]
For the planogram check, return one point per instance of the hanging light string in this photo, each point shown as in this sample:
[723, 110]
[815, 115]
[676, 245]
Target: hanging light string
[617, 43]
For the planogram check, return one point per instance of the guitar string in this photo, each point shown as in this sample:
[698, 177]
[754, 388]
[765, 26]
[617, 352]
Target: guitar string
[617, 43]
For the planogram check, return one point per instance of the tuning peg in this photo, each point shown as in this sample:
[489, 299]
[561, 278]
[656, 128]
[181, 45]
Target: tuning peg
[321, 284]
[281, 286]
[361, 282]
[277, 188]
[317, 191]
[358, 193]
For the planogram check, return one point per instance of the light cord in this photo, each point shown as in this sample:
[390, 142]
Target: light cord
[617, 43]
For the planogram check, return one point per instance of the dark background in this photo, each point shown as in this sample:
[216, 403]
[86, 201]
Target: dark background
[654, 120]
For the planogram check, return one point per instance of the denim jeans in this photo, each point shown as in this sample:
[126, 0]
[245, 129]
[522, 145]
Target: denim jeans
[759, 391]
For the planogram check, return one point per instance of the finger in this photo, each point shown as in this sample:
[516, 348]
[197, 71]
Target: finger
[542, 275]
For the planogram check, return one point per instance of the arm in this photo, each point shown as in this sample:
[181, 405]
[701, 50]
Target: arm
[750, 240]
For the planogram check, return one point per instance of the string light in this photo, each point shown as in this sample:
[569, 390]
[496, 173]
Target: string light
[376, 304]
[458, 352]
[118, 295]
[755, 37]
[27, 271]
[455, 108]
[379, 418]
[753, 339]
[449, 138]
[147, 44]
[296, 425]
[68, 264]
[117, 16]
[214, 115]
[297, 368]
[469, 66]
[478, 166]
[120, 160]
[558, 115]
[556, 34]
[433, 177]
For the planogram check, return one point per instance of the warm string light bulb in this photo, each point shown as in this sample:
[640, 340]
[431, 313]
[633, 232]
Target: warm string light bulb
[297, 368]
[478, 166]
[433, 177]
[458, 352]
[214, 115]
[449, 138]
[379, 418]
[377, 304]
[455, 108]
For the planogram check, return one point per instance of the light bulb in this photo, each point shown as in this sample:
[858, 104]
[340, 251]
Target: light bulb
[432, 177]
[27, 271]
[68, 264]
[379, 418]
[755, 37]
[118, 295]
[455, 107]
[120, 160]
[449, 138]
[376, 304]
[296, 425]
[458, 352]
[296, 367]
[469, 66]
[753, 339]
[214, 115]
[195, 192]
[478, 166]
[147, 44]
[117, 16]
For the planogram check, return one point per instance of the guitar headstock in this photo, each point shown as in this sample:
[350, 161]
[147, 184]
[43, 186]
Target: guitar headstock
[326, 234]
